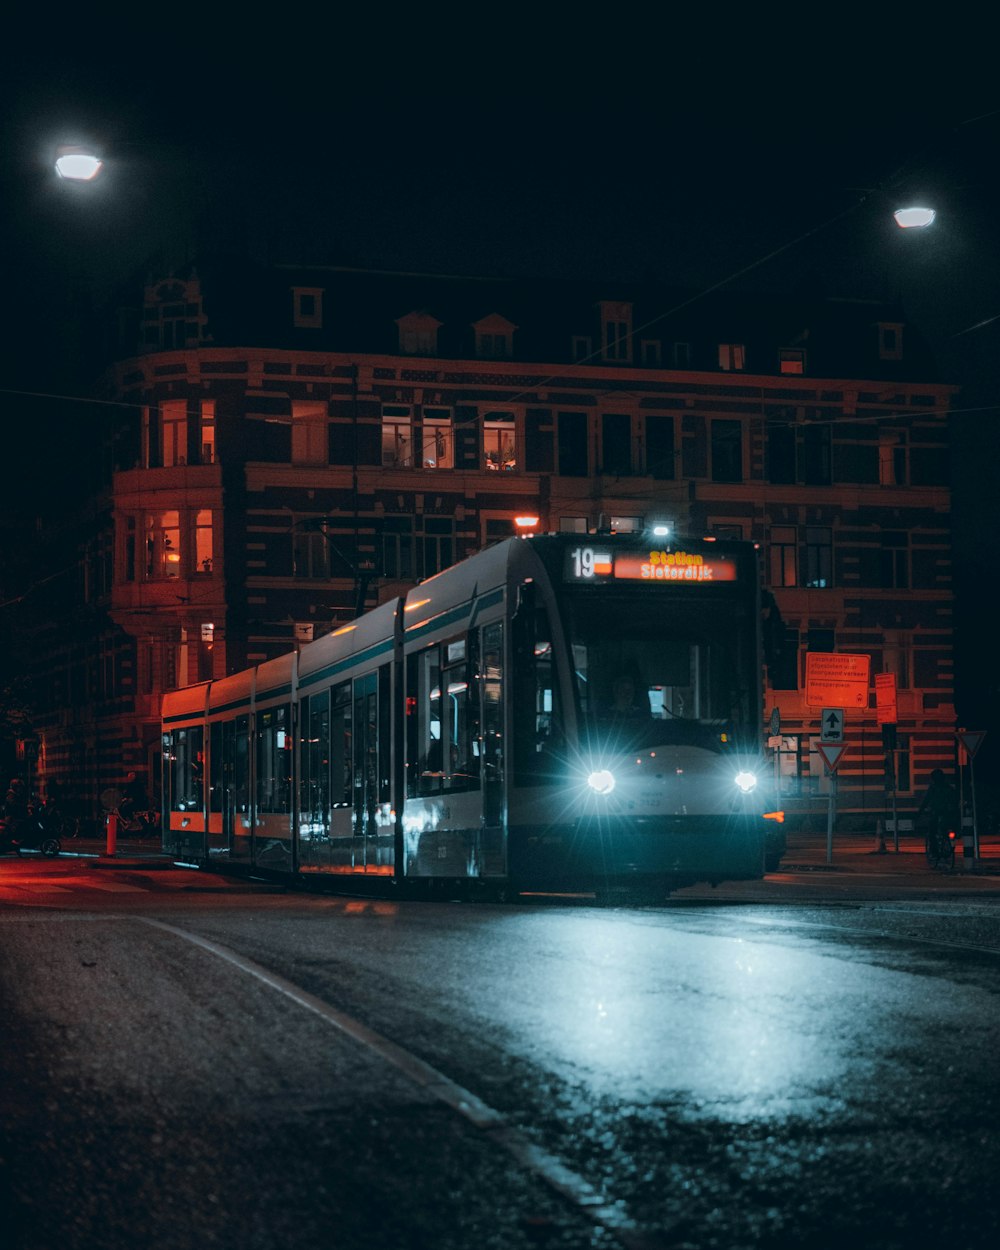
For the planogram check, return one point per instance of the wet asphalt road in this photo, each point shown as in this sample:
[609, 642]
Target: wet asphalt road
[717, 1072]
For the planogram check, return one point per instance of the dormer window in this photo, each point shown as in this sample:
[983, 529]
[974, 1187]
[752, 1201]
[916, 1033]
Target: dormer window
[890, 340]
[791, 360]
[732, 356]
[494, 337]
[616, 331]
[307, 307]
[172, 316]
[418, 334]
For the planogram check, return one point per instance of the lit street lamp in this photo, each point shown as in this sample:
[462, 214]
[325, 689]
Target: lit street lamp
[77, 164]
[907, 218]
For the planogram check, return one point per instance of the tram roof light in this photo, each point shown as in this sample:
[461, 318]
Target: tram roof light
[661, 531]
[526, 522]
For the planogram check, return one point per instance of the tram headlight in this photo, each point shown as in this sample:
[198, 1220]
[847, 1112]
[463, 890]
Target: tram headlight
[746, 780]
[601, 781]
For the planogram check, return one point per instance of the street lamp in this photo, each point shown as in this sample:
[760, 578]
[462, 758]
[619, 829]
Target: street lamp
[907, 218]
[77, 164]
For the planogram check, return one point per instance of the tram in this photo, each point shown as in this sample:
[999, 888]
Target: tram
[558, 712]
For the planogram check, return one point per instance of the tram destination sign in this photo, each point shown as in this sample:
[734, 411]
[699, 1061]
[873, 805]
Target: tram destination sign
[590, 564]
[836, 679]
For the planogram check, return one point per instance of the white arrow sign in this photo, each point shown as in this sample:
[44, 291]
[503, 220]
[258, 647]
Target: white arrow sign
[832, 725]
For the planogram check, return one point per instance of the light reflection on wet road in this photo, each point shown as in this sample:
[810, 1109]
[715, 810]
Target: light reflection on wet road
[728, 1075]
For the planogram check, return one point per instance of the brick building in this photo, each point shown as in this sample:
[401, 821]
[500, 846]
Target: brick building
[297, 443]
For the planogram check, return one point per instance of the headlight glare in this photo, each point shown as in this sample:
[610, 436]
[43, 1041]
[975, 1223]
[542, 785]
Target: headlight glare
[746, 781]
[601, 781]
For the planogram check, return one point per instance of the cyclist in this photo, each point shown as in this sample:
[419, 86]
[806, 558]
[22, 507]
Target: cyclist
[939, 807]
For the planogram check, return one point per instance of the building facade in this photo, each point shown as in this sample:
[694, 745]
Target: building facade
[298, 445]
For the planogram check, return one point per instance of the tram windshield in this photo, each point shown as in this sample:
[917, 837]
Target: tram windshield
[660, 675]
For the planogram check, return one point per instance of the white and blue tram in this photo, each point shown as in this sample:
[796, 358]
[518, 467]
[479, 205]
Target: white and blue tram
[556, 712]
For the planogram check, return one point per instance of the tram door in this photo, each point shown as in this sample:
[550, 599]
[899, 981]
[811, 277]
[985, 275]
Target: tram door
[494, 808]
[366, 789]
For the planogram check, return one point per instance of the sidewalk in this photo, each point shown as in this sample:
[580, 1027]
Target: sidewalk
[852, 852]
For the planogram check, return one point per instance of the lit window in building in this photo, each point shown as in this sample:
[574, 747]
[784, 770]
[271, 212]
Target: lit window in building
[626, 524]
[892, 458]
[309, 432]
[783, 554]
[732, 356]
[791, 360]
[616, 330]
[438, 439]
[173, 432]
[397, 436]
[208, 431]
[819, 556]
[573, 525]
[499, 441]
[163, 545]
[203, 541]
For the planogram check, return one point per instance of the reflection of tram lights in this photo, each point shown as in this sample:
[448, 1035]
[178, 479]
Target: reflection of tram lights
[601, 781]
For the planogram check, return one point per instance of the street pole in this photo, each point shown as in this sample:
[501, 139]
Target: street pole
[829, 816]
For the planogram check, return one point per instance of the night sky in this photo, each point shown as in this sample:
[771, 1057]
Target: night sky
[633, 144]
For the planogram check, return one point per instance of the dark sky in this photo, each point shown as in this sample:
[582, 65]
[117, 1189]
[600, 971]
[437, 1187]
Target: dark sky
[626, 143]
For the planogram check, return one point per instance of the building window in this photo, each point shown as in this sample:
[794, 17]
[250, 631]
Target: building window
[626, 524]
[309, 434]
[732, 356]
[307, 307]
[173, 433]
[890, 340]
[819, 557]
[681, 355]
[396, 555]
[499, 441]
[438, 439]
[397, 435]
[649, 351]
[583, 347]
[892, 458]
[894, 556]
[494, 335]
[616, 443]
[418, 334]
[208, 431]
[203, 541]
[163, 545]
[310, 550]
[660, 446]
[896, 657]
[783, 551]
[727, 451]
[573, 525]
[791, 360]
[726, 530]
[616, 331]
[816, 457]
[780, 453]
[437, 544]
[573, 459]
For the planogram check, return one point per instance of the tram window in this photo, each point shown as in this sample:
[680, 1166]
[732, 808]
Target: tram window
[341, 725]
[186, 769]
[274, 760]
[241, 765]
[216, 780]
[535, 699]
[315, 763]
[634, 670]
[442, 720]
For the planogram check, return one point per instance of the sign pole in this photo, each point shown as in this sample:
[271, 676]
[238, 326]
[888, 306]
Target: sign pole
[829, 818]
[975, 822]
